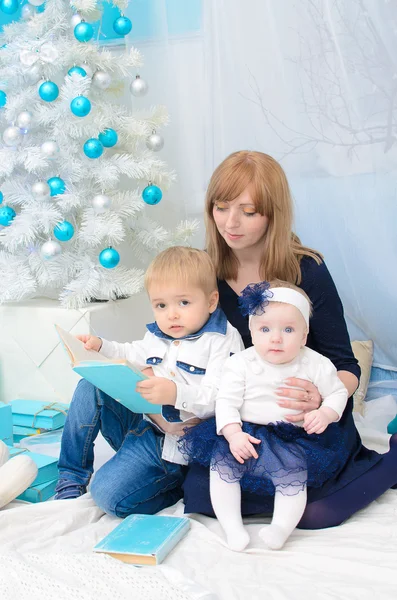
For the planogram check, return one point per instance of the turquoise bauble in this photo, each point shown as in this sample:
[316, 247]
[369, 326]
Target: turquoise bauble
[109, 258]
[80, 106]
[64, 231]
[108, 138]
[9, 6]
[93, 148]
[77, 71]
[57, 186]
[3, 98]
[83, 32]
[6, 215]
[48, 91]
[1, 197]
[152, 194]
[122, 26]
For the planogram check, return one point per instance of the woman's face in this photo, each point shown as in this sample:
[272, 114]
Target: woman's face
[238, 223]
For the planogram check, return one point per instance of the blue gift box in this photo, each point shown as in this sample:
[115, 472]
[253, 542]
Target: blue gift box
[47, 466]
[38, 415]
[39, 493]
[6, 424]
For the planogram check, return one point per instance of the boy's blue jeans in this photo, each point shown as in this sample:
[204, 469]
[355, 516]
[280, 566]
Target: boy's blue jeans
[136, 479]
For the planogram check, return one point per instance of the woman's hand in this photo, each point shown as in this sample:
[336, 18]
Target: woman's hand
[305, 399]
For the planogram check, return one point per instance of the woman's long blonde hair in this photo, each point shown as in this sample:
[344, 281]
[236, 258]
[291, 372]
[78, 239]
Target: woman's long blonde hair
[282, 249]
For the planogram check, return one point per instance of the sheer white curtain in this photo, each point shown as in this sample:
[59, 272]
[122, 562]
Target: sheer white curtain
[314, 84]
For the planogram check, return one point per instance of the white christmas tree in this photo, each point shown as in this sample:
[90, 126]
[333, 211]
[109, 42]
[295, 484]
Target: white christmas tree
[68, 147]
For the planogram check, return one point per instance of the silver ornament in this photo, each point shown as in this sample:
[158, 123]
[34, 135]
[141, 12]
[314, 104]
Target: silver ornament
[50, 149]
[101, 79]
[36, 2]
[24, 119]
[41, 190]
[101, 203]
[155, 142]
[50, 249]
[88, 69]
[27, 12]
[12, 136]
[138, 87]
[33, 74]
[75, 20]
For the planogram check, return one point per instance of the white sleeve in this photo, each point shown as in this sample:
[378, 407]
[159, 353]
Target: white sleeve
[199, 399]
[231, 393]
[134, 352]
[332, 390]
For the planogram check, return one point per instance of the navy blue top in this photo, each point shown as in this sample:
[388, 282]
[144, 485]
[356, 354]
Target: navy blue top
[328, 336]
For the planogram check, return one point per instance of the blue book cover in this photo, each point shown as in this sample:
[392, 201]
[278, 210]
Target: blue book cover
[144, 539]
[115, 377]
[36, 414]
[39, 493]
[6, 423]
[47, 466]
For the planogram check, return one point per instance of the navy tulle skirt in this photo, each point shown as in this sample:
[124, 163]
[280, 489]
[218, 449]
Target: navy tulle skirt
[288, 458]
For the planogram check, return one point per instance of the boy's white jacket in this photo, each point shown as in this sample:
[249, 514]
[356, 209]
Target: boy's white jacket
[194, 363]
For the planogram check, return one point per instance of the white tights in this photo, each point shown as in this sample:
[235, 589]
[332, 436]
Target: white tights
[226, 502]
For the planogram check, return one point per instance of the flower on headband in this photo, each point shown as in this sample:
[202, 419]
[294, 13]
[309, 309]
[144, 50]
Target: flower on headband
[254, 298]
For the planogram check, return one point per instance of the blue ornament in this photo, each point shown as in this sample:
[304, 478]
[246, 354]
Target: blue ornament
[3, 98]
[77, 71]
[9, 6]
[64, 231]
[6, 215]
[122, 26]
[80, 106]
[1, 197]
[152, 194]
[48, 91]
[57, 186]
[109, 258]
[83, 32]
[93, 148]
[108, 138]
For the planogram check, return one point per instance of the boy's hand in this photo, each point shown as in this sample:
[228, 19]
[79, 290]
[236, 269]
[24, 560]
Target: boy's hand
[317, 421]
[157, 390]
[240, 444]
[91, 342]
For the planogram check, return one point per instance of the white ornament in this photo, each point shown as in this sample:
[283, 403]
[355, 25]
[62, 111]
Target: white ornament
[75, 20]
[36, 2]
[155, 142]
[50, 249]
[50, 149]
[101, 79]
[24, 119]
[27, 12]
[41, 190]
[138, 87]
[47, 53]
[33, 74]
[88, 69]
[12, 136]
[101, 203]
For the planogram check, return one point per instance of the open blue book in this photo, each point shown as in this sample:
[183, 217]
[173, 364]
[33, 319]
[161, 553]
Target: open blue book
[116, 377]
[144, 539]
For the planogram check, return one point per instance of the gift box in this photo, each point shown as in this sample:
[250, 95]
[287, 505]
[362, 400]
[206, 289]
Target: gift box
[30, 344]
[47, 466]
[35, 416]
[39, 493]
[6, 424]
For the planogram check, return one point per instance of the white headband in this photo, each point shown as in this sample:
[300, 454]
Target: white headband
[289, 296]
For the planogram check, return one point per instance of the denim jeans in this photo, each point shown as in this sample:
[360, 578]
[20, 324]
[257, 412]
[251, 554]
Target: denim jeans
[136, 479]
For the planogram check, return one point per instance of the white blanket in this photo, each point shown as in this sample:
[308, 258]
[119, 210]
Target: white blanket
[46, 553]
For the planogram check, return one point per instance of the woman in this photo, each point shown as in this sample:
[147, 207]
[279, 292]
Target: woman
[249, 238]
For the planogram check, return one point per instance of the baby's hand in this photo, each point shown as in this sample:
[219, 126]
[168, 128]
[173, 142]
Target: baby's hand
[241, 447]
[91, 342]
[318, 420]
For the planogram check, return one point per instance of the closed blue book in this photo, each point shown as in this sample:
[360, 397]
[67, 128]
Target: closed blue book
[116, 377]
[144, 539]
[6, 424]
[47, 466]
[36, 414]
[39, 492]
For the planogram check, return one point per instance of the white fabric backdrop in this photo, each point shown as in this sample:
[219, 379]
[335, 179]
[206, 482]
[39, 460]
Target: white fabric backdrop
[313, 83]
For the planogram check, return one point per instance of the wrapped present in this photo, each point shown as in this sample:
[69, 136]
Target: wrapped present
[6, 424]
[39, 493]
[47, 466]
[36, 415]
